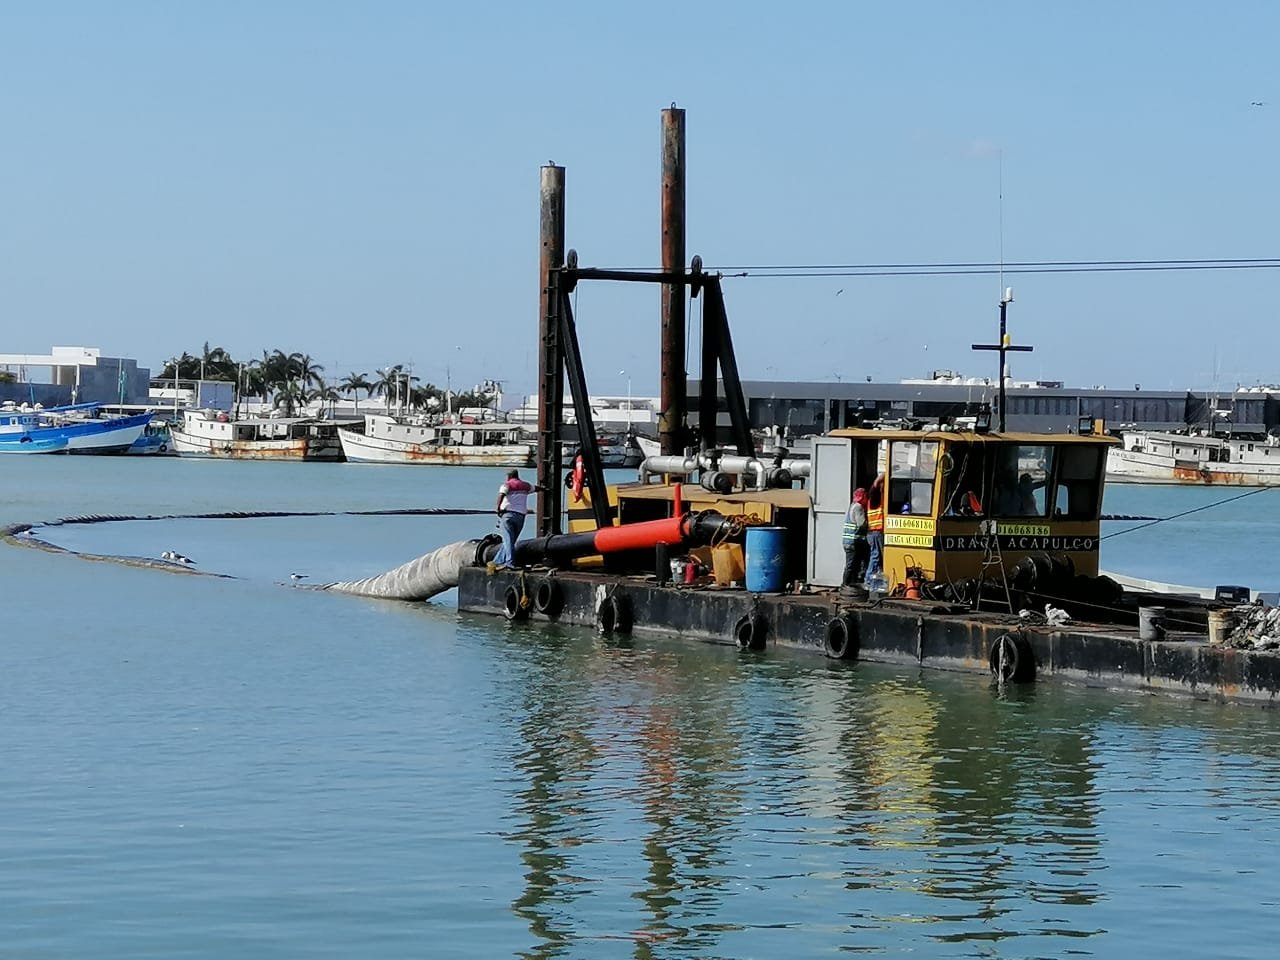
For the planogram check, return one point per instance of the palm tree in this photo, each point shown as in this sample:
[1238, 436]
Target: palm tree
[288, 395]
[307, 371]
[353, 383]
[405, 388]
[277, 371]
[188, 368]
[216, 364]
[426, 397]
[254, 379]
[325, 394]
[387, 382]
[248, 383]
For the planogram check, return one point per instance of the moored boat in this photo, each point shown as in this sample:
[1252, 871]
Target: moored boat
[1194, 459]
[155, 441]
[623, 450]
[209, 433]
[419, 439]
[26, 444]
[69, 429]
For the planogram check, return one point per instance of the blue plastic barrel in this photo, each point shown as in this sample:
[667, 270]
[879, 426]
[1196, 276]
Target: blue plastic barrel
[765, 559]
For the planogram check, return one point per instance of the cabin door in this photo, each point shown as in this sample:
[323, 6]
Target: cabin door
[830, 486]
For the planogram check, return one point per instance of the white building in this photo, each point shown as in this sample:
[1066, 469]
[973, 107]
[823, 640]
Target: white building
[74, 375]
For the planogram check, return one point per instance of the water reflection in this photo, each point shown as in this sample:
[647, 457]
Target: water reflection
[731, 800]
[610, 735]
[554, 754]
[688, 792]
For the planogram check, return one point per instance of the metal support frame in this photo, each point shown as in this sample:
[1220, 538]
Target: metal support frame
[717, 351]
[550, 361]
[672, 374]
[550, 412]
[717, 355]
[590, 449]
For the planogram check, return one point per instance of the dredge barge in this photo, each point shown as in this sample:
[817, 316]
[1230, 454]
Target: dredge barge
[964, 589]
[991, 539]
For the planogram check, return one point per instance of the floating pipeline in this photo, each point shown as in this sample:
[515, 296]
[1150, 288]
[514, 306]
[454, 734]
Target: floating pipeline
[419, 579]
[916, 633]
[435, 572]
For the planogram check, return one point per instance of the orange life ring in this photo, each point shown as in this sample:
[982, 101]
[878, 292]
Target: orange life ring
[579, 477]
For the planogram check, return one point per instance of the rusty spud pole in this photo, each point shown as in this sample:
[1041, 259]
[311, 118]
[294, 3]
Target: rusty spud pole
[550, 364]
[672, 388]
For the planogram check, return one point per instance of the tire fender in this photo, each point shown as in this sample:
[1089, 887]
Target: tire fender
[548, 598]
[750, 632]
[614, 615]
[515, 603]
[841, 640]
[1011, 659]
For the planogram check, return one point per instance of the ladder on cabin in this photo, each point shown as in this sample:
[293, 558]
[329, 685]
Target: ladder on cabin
[991, 557]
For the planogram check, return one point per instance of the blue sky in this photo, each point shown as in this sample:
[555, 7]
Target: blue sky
[360, 181]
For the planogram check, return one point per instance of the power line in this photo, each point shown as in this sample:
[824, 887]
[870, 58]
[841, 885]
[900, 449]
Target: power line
[979, 268]
[988, 269]
[1008, 263]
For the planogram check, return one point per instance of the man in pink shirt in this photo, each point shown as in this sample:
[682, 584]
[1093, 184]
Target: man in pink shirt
[513, 504]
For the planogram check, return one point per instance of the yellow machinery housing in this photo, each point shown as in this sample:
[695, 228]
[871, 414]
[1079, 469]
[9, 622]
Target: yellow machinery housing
[961, 504]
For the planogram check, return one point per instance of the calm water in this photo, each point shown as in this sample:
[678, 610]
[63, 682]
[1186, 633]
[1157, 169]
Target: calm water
[206, 767]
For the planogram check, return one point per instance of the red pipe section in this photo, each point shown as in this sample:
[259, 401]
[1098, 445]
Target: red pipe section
[637, 536]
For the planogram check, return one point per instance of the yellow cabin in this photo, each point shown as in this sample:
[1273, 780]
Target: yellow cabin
[955, 502]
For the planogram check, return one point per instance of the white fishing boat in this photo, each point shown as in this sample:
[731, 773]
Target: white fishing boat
[444, 442]
[212, 433]
[622, 450]
[1195, 459]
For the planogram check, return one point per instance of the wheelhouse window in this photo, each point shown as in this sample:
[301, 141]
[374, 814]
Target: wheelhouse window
[966, 478]
[1021, 478]
[1079, 482]
[912, 465]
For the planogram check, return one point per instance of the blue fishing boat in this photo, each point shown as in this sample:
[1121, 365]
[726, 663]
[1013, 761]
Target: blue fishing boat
[27, 444]
[68, 429]
[155, 441]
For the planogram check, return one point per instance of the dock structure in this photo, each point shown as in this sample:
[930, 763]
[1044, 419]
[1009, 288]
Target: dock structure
[905, 632]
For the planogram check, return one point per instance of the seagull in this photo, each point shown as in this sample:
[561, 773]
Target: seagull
[175, 557]
[840, 291]
[297, 576]
[1257, 103]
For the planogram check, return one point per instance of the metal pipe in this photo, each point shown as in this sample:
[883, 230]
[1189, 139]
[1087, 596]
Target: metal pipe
[660, 464]
[550, 362]
[764, 474]
[732, 463]
[673, 385]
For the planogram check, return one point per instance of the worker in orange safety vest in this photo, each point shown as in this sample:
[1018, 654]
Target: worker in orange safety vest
[875, 527]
